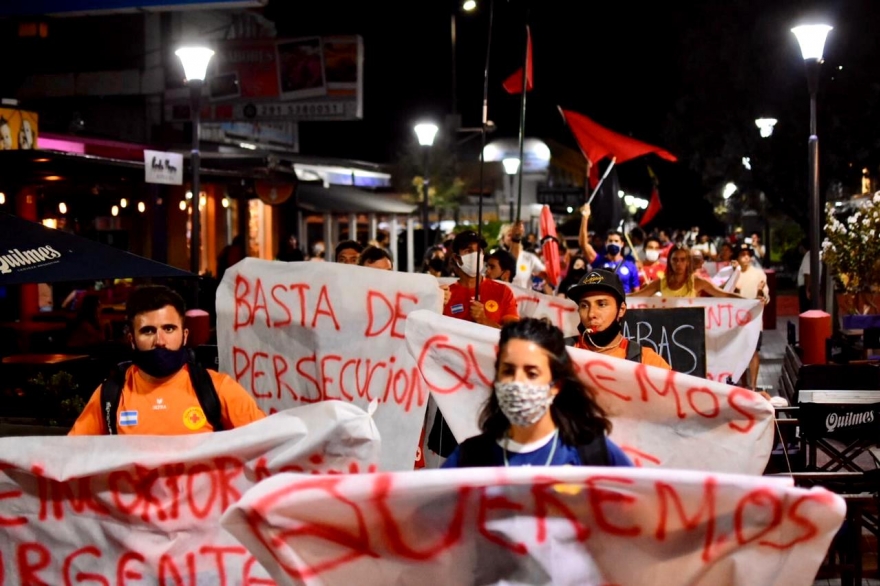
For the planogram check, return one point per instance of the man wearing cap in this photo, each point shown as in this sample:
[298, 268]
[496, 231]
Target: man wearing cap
[601, 306]
[496, 305]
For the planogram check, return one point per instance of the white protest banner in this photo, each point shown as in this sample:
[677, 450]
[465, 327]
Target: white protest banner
[537, 525]
[660, 417]
[732, 330]
[561, 311]
[146, 509]
[297, 333]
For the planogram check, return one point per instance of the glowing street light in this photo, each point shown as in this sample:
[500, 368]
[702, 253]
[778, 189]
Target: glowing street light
[811, 39]
[766, 126]
[425, 133]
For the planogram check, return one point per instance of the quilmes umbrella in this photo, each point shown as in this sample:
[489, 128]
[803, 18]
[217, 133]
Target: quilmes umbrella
[32, 253]
[550, 245]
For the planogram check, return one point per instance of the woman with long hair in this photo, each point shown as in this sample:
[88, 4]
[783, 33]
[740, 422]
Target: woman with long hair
[680, 280]
[539, 413]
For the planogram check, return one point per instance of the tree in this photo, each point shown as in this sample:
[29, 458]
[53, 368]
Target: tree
[446, 190]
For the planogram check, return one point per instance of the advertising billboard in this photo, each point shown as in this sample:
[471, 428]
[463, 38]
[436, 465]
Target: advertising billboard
[304, 78]
[18, 129]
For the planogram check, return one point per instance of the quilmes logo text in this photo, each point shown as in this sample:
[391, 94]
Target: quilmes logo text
[15, 258]
[835, 420]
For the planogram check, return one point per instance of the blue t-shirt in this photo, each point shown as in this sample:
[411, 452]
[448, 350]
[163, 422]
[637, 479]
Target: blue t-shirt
[628, 272]
[565, 455]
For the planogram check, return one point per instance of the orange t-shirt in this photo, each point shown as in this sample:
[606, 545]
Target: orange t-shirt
[498, 301]
[649, 356]
[169, 408]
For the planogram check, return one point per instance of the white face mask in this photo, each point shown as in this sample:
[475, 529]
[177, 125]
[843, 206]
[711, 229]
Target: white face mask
[522, 403]
[468, 264]
[652, 255]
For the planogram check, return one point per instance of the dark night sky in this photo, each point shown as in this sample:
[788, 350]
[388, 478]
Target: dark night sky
[629, 65]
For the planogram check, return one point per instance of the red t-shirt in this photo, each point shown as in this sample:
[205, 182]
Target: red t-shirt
[498, 301]
[652, 272]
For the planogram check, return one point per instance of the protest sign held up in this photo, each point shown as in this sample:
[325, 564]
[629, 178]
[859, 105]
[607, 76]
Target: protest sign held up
[559, 525]
[661, 418]
[297, 333]
[146, 509]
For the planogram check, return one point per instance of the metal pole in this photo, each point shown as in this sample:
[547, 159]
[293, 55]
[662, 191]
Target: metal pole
[425, 203]
[483, 128]
[195, 242]
[812, 66]
[452, 39]
[522, 120]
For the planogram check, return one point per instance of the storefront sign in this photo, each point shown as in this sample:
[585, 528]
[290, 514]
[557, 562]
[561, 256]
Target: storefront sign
[162, 167]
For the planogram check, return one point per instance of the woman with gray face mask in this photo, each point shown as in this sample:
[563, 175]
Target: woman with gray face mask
[539, 413]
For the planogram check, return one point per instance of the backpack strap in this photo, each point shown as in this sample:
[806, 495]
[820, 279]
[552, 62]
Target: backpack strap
[633, 352]
[476, 451]
[111, 392]
[594, 453]
[205, 392]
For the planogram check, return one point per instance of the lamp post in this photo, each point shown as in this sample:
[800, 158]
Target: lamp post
[811, 39]
[195, 67]
[511, 166]
[425, 132]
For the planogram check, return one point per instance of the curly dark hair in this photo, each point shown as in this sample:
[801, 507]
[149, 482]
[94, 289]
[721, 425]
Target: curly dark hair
[575, 411]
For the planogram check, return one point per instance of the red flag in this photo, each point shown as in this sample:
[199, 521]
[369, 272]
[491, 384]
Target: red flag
[653, 209]
[513, 84]
[597, 142]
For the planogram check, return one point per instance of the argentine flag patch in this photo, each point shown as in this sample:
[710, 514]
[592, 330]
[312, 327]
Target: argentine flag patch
[128, 418]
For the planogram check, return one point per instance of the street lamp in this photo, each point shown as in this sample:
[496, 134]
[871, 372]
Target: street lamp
[511, 166]
[811, 38]
[766, 126]
[195, 67]
[425, 132]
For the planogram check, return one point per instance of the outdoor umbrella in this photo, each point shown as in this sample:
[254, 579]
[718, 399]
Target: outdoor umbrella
[550, 245]
[32, 253]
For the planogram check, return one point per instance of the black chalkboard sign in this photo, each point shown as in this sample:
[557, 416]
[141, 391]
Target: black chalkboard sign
[678, 334]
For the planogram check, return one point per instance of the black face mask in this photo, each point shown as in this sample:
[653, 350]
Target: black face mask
[605, 337]
[160, 362]
[612, 249]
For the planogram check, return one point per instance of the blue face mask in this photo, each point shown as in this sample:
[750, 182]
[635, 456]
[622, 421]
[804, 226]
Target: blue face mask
[160, 362]
[612, 249]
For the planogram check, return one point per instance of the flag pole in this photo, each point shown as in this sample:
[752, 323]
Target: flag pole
[483, 127]
[602, 180]
[522, 120]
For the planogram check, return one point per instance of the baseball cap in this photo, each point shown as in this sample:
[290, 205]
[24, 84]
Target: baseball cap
[597, 280]
[464, 239]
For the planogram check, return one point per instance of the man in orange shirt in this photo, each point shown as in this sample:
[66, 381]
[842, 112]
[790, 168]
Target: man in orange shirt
[601, 306]
[157, 396]
[496, 305]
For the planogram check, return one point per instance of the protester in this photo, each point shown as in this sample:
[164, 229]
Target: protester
[613, 258]
[527, 263]
[601, 307]
[374, 257]
[540, 413]
[680, 280]
[577, 268]
[652, 267]
[752, 284]
[501, 266]
[290, 251]
[348, 251]
[496, 305]
[164, 392]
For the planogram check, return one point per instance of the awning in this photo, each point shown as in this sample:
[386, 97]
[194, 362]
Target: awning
[315, 197]
[32, 253]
